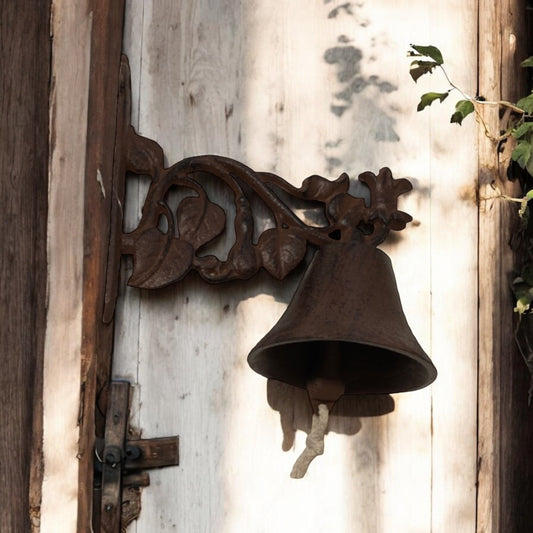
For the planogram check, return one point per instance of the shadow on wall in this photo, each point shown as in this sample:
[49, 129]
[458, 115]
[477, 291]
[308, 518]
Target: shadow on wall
[295, 411]
[357, 97]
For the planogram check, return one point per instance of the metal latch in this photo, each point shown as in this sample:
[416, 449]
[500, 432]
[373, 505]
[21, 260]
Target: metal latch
[120, 463]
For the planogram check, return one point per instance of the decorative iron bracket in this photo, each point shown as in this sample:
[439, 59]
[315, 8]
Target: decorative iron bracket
[169, 240]
[121, 462]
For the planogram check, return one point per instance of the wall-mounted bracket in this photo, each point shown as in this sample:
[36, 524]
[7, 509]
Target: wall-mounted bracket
[170, 240]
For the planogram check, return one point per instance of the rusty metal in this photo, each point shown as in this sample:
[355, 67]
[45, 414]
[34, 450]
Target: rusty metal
[121, 463]
[112, 457]
[168, 241]
[344, 331]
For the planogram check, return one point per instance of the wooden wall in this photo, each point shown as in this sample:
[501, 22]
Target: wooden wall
[24, 88]
[306, 88]
[273, 88]
[504, 416]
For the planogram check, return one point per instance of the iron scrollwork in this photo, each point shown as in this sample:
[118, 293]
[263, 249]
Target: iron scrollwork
[165, 253]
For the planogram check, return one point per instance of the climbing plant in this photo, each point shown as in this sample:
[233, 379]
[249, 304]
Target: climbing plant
[517, 128]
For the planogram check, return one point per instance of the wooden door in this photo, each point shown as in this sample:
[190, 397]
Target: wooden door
[300, 88]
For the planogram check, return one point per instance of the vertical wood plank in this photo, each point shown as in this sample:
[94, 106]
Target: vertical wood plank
[490, 286]
[99, 193]
[86, 58]
[453, 260]
[517, 426]
[505, 431]
[24, 58]
[71, 28]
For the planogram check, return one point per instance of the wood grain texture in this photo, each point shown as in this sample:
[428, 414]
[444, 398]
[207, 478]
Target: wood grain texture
[305, 88]
[505, 428]
[71, 27]
[24, 85]
[490, 246]
[516, 490]
[454, 295]
[99, 192]
[86, 59]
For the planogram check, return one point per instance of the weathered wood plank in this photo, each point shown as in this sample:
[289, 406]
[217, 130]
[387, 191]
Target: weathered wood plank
[490, 284]
[505, 429]
[86, 58]
[517, 428]
[453, 260]
[24, 84]
[68, 110]
[103, 126]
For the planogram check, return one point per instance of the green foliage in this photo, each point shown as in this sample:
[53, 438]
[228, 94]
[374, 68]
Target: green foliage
[429, 98]
[419, 68]
[523, 129]
[519, 127]
[523, 289]
[463, 108]
[522, 153]
[526, 104]
[524, 213]
[427, 51]
[527, 62]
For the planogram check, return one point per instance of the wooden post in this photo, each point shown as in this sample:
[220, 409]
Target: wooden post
[85, 69]
[505, 433]
[97, 343]
[25, 78]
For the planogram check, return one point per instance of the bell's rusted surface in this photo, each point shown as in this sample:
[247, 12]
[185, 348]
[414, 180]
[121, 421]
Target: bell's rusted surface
[346, 323]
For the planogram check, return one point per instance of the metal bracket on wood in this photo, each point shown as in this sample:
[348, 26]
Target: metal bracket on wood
[168, 241]
[122, 461]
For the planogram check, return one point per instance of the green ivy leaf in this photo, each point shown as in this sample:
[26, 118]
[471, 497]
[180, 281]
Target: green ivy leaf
[524, 210]
[522, 153]
[428, 98]
[523, 293]
[429, 51]
[419, 68]
[526, 104]
[522, 305]
[522, 130]
[463, 108]
[527, 62]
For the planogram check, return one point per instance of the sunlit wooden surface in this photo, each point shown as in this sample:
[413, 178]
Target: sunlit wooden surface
[302, 88]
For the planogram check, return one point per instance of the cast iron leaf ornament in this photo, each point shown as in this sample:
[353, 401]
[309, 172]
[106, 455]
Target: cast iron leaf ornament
[384, 194]
[170, 242]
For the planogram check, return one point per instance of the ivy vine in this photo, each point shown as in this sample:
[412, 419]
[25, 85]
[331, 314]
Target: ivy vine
[518, 126]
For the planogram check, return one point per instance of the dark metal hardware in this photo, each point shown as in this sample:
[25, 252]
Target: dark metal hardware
[164, 256]
[168, 241]
[121, 461]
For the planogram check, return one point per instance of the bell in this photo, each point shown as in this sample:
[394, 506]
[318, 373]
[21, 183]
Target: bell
[344, 332]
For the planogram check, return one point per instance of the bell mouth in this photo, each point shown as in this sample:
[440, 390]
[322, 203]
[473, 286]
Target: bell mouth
[345, 322]
[363, 368]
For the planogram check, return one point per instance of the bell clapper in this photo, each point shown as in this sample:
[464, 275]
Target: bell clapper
[323, 394]
[314, 444]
